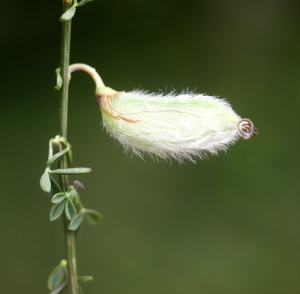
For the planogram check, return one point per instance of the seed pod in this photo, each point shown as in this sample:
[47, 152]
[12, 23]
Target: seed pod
[184, 126]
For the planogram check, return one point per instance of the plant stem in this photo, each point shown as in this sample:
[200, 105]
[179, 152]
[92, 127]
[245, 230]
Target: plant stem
[89, 70]
[64, 71]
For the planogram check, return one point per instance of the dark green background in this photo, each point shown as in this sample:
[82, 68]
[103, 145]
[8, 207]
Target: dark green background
[228, 224]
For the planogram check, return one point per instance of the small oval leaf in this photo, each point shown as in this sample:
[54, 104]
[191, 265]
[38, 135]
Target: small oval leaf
[85, 279]
[59, 81]
[45, 182]
[93, 216]
[58, 197]
[55, 188]
[76, 222]
[74, 196]
[56, 277]
[83, 2]
[68, 14]
[60, 288]
[72, 171]
[57, 156]
[56, 210]
[70, 209]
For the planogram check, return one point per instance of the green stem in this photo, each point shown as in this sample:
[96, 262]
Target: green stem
[64, 71]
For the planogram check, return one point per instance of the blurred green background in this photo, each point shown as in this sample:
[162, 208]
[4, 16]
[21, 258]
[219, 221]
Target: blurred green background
[228, 224]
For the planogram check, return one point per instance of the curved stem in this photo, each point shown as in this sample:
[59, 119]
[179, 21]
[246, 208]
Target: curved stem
[90, 70]
[64, 69]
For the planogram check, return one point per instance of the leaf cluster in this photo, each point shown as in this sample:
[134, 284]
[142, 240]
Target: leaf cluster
[65, 200]
[68, 202]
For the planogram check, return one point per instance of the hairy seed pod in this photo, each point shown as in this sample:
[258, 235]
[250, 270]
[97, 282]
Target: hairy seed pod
[184, 126]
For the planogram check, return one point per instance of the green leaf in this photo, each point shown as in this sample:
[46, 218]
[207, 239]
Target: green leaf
[64, 141]
[56, 210]
[76, 222]
[60, 288]
[93, 216]
[79, 231]
[55, 188]
[56, 277]
[68, 14]
[69, 155]
[83, 2]
[45, 182]
[59, 81]
[70, 209]
[85, 279]
[74, 196]
[58, 197]
[57, 156]
[72, 171]
[80, 291]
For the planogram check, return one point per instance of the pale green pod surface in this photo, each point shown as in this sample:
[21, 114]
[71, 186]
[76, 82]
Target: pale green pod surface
[180, 126]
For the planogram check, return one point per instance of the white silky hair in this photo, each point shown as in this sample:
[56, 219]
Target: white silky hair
[183, 126]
